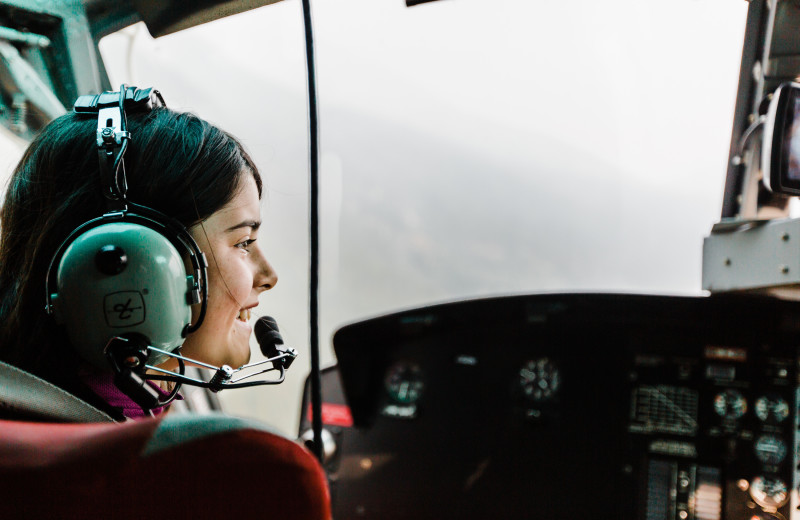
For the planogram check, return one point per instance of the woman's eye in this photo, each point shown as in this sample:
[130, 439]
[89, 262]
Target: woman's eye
[244, 245]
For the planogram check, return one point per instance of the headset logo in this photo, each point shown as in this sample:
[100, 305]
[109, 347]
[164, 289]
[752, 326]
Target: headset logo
[124, 308]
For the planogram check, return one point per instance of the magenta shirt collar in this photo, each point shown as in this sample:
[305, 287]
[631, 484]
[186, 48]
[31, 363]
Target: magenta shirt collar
[102, 384]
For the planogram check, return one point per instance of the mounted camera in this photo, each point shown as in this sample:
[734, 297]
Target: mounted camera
[780, 153]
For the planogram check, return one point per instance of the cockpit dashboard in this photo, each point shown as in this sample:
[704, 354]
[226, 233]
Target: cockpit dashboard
[567, 406]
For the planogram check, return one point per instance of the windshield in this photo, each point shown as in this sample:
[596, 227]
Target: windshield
[468, 147]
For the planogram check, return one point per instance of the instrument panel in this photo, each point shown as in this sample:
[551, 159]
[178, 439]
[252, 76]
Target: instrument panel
[568, 406]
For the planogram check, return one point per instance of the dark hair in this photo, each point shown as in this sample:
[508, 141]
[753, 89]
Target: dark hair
[176, 163]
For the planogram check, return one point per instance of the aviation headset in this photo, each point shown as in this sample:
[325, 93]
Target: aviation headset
[119, 282]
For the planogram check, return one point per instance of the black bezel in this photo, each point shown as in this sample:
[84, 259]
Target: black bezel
[785, 99]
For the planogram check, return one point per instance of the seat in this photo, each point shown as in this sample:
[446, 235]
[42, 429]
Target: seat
[24, 396]
[178, 466]
[75, 462]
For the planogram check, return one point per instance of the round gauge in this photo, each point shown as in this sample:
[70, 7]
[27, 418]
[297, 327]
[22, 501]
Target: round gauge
[539, 379]
[404, 382]
[771, 409]
[769, 492]
[770, 449]
[730, 404]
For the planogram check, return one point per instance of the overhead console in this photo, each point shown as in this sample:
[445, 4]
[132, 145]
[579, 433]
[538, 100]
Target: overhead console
[754, 246]
[567, 406]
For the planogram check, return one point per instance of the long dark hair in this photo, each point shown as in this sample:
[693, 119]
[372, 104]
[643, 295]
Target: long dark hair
[176, 163]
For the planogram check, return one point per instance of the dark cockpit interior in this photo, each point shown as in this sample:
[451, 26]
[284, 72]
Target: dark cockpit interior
[553, 406]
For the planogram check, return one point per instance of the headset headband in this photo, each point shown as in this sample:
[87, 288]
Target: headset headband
[113, 135]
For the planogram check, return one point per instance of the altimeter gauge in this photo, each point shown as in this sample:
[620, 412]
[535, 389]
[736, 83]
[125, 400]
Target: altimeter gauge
[404, 382]
[769, 492]
[730, 404]
[772, 408]
[539, 379]
[770, 449]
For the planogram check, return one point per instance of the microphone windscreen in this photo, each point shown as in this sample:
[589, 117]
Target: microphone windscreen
[267, 335]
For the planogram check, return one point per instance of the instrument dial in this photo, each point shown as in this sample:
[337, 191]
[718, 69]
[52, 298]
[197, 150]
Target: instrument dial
[771, 409]
[539, 379]
[769, 492]
[770, 449]
[730, 404]
[404, 382]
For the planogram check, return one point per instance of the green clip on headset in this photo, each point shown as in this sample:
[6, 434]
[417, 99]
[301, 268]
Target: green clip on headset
[119, 283]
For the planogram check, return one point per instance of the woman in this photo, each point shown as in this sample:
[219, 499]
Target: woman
[175, 163]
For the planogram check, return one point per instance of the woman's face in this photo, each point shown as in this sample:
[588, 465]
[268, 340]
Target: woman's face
[238, 273]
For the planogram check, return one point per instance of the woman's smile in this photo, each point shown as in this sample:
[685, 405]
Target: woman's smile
[238, 273]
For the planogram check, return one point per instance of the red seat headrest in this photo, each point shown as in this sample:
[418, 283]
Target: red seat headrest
[181, 466]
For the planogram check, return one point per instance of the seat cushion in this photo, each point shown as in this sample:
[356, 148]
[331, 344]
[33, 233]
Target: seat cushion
[185, 466]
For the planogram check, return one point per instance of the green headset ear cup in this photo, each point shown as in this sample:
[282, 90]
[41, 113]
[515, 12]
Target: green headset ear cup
[148, 296]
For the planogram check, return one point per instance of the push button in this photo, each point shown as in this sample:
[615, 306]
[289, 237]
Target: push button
[111, 260]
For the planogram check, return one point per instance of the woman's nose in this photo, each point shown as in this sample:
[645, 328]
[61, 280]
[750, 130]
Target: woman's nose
[266, 277]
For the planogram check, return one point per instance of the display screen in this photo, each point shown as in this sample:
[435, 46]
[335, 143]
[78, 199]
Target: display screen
[792, 139]
[781, 150]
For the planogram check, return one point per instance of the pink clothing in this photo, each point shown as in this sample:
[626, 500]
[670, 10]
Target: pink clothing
[103, 385]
